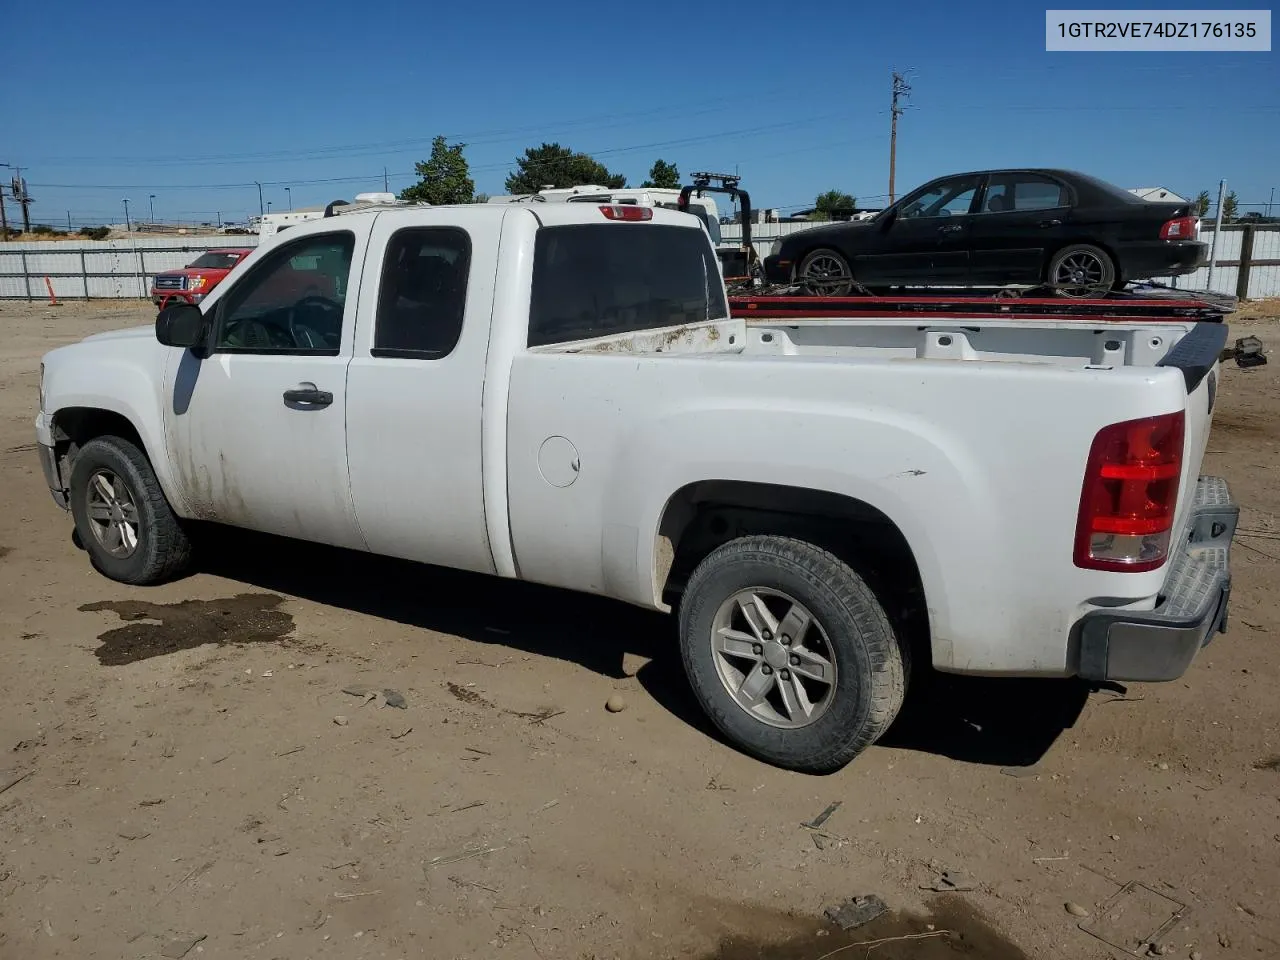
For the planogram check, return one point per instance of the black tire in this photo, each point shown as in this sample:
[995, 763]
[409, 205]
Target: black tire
[870, 666]
[163, 549]
[1096, 269]
[841, 287]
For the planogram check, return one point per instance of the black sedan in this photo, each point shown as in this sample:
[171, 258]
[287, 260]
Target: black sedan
[1072, 232]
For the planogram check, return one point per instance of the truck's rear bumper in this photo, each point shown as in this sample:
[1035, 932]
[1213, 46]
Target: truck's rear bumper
[1160, 644]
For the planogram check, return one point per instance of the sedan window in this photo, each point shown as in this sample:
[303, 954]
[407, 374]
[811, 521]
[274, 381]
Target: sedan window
[944, 199]
[1023, 191]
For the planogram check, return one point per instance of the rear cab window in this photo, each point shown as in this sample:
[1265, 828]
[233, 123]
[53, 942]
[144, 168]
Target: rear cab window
[597, 280]
[423, 293]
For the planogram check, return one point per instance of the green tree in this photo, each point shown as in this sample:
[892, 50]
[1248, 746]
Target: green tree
[1229, 205]
[833, 203]
[444, 178]
[480, 198]
[557, 166]
[1203, 203]
[663, 175]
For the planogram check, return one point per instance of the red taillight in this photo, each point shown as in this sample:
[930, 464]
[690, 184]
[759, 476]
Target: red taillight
[1130, 493]
[620, 212]
[1183, 228]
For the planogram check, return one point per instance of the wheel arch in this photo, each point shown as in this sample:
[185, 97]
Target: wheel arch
[702, 515]
[74, 426]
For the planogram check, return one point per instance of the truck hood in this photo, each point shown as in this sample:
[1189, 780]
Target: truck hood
[195, 272]
[126, 333]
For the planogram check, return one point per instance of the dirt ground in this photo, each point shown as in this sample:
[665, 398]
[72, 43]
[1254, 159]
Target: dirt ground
[184, 770]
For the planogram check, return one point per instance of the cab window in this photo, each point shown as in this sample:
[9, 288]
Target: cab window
[292, 302]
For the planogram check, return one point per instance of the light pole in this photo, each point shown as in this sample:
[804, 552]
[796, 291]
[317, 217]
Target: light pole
[152, 200]
[259, 186]
[128, 226]
[268, 206]
[289, 193]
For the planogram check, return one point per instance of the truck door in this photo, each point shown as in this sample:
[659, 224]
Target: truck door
[257, 429]
[415, 385]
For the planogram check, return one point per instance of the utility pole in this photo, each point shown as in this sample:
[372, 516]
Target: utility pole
[289, 193]
[385, 187]
[901, 90]
[260, 210]
[18, 188]
[1217, 232]
[4, 219]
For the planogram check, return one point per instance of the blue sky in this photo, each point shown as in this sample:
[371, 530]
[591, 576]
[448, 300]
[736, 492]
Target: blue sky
[104, 101]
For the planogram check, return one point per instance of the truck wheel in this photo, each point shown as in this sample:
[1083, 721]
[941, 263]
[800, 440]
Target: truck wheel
[825, 273]
[790, 653]
[1081, 270]
[122, 516]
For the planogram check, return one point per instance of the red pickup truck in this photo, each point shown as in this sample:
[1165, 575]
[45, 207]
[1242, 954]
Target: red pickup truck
[192, 283]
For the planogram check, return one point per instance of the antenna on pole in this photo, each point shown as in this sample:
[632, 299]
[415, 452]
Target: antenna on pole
[901, 90]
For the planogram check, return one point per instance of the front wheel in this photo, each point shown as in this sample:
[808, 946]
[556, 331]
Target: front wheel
[826, 273]
[790, 653]
[1082, 270]
[121, 515]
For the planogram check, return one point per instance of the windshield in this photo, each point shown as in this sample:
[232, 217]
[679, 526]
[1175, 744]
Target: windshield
[215, 261]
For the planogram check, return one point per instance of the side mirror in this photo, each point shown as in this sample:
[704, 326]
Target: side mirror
[888, 219]
[181, 325]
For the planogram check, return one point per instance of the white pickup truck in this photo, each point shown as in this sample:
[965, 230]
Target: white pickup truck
[559, 395]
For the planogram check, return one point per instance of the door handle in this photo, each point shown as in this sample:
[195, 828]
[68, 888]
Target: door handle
[949, 228]
[1050, 223]
[306, 394]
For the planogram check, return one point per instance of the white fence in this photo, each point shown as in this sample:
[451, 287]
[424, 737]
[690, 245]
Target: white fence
[119, 269]
[1259, 242]
[99, 269]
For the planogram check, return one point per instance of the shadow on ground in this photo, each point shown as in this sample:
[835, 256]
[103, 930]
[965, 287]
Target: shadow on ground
[988, 721]
[1002, 722]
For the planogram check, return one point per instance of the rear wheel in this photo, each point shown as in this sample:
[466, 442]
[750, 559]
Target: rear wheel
[1081, 270]
[121, 515]
[826, 273]
[790, 653]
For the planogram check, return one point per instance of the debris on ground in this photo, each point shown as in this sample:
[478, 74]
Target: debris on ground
[1075, 909]
[824, 816]
[952, 881]
[179, 947]
[402, 734]
[341, 720]
[8, 780]
[1031, 771]
[358, 690]
[857, 912]
[616, 703]
[394, 698]
[1248, 352]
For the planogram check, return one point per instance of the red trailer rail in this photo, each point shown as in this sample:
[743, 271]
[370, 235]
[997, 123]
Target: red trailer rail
[1161, 304]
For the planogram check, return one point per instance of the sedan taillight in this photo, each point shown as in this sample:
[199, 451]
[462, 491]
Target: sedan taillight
[1181, 228]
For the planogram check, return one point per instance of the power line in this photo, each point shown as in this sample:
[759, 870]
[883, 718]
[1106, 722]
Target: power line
[505, 165]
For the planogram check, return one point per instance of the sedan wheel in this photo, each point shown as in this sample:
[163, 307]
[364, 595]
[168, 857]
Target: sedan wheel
[826, 273]
[1082, 270]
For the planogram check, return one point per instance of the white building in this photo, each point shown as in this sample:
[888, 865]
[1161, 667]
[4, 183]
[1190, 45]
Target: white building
[1158, 195]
